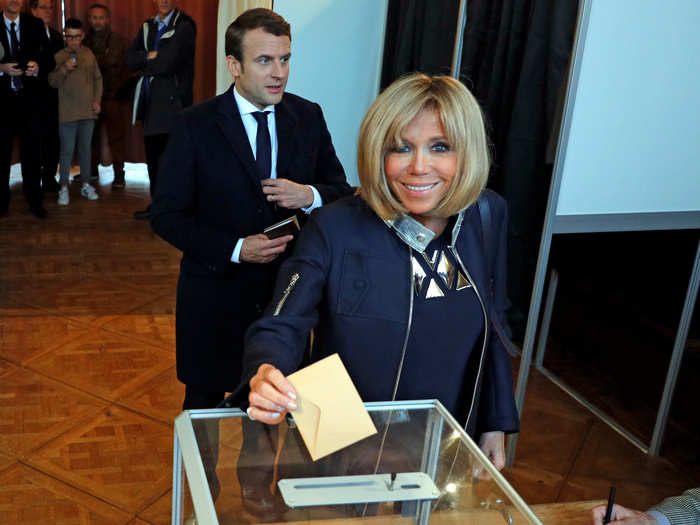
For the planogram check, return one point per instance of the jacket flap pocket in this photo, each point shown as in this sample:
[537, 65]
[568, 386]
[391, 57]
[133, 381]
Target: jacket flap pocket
[354, 283]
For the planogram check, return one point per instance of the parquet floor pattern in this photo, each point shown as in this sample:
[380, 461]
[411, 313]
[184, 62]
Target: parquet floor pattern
[88, 391]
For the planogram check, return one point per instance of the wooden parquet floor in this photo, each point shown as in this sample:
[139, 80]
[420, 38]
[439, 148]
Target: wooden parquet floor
[88, 389]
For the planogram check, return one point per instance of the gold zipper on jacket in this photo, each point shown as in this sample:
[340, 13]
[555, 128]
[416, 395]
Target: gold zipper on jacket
[486, 330]
[287, 291]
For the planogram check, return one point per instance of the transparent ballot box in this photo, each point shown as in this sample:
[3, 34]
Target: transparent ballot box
[420, 467]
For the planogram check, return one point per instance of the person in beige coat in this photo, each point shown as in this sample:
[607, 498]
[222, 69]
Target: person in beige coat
[79, 82]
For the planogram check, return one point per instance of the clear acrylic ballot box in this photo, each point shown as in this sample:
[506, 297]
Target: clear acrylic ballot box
[420, 467]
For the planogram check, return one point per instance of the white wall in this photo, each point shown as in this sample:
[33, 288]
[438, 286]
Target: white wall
[228, 12]
[336, 60]
[634, 143]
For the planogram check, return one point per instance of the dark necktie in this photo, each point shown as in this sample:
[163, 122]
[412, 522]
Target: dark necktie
[14, 49]
[263, 145]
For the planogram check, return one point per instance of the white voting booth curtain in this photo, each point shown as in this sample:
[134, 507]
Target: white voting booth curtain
[228, 12]
[337, 48]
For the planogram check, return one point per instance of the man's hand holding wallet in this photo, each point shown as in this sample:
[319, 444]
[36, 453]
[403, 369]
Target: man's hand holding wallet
[265, 247]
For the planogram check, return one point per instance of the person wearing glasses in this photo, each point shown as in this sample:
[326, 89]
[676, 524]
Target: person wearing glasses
[79, 82]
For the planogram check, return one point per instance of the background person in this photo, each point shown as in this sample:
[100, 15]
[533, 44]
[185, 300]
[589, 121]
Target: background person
[216, 201]
[79, 82]
[163, 55]
[236, 164]
[48, 98]
[397, 280]
[679, 510]
[109, 138]
[23, 59]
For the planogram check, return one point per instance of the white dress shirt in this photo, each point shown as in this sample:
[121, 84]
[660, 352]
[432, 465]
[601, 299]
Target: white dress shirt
[8, 30]
[8, 25]
[164, 22]
[246, 109]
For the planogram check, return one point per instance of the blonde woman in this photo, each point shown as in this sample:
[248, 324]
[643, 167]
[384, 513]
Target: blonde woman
[404, 280]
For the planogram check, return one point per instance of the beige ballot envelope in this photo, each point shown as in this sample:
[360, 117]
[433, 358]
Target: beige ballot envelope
[331, 415]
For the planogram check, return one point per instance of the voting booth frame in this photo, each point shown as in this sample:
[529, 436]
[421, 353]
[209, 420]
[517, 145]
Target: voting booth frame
[439, 447]
[601, 221]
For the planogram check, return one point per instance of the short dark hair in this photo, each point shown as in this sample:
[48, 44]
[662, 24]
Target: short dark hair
[73, 23]
[263, 18]
[99, 6]
[33, 4]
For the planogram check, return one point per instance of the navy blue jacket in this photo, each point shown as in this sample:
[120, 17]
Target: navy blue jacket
[171, 73]
[354, 287]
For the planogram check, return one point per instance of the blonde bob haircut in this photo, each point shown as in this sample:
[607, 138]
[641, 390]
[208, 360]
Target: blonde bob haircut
[386, 121]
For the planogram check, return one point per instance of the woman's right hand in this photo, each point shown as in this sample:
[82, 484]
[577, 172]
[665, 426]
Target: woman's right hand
[271, 395]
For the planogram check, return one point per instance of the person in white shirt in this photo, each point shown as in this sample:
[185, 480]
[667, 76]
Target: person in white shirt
[21, 39]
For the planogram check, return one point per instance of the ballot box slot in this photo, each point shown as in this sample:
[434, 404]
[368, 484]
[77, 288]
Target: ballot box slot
[334, 485]
[371, 488]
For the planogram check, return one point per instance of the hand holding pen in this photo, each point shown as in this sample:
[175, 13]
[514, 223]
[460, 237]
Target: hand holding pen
[617, 514]
[609, 508]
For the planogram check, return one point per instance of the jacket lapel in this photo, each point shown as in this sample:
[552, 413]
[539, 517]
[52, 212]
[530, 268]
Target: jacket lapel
[474, 258]
[173, 19]
[3, 36]
[229, 121]
[286, 123]
[170, 29]
[22, 31]
[151, 26]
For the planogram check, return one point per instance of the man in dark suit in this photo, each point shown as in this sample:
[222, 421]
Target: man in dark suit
[235, 165]
[21, 39]
[48, 98]
[163, 54]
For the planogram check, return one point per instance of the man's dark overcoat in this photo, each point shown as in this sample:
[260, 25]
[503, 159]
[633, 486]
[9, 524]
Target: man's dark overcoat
[211, 196]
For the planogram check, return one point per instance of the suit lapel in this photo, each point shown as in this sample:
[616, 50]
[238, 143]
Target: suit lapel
[473, 258]
[173, 18]
[5, 40]
[23, 36]
[56, 42]
[229, 121]
[286, 123]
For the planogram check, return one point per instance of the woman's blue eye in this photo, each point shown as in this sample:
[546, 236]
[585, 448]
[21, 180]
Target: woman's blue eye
[441, 147]
[263, 60]
[399, 149]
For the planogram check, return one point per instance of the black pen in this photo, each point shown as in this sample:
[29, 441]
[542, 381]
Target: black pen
[609, 509]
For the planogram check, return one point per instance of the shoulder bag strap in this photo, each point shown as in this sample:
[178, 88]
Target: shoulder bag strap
[487, 234]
